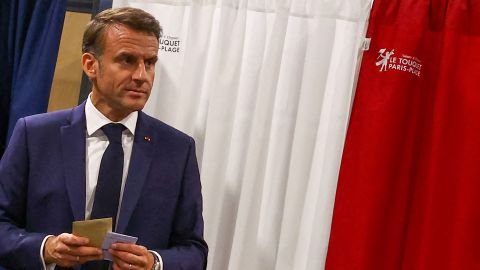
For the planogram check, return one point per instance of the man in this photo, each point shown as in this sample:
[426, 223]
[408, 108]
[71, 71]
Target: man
[64, 166]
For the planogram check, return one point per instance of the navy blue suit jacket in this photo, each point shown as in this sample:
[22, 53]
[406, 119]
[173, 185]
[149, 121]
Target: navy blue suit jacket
[42, 189]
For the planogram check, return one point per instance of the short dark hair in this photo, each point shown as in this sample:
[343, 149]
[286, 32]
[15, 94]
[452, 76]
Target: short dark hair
[134, 18]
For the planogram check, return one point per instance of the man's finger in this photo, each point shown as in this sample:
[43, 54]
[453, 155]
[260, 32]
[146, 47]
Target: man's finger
[73, 240]
[124, 256]
[69, 258]
[60, 247]
[131, 248]
[84, 259]
[84, 251]
[119, 264]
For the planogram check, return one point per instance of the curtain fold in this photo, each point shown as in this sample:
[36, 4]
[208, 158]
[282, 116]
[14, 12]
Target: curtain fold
[30, 36]
[406, 196]
[264, 87]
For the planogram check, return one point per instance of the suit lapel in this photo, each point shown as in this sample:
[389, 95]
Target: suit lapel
[73, 156]
[142, 153]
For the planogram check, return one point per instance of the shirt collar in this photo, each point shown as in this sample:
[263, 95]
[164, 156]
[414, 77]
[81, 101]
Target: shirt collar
[95, 119]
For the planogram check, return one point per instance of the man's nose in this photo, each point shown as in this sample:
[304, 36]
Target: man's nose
[139, 72]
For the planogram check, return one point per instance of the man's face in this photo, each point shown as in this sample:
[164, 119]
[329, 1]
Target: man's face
[123, 75]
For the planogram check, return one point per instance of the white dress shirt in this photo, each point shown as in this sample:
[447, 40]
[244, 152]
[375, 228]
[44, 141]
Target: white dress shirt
[96, 144]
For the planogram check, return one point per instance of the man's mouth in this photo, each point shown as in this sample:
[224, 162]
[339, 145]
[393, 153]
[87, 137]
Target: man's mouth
[136, 91]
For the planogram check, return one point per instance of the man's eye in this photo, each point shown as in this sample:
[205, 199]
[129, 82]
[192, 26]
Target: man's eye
[150, 63]
[128, 60]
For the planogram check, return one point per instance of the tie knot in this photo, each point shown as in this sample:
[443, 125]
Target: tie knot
[113, 132]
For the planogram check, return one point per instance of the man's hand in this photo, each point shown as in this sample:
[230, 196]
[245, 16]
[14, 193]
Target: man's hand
[131, 256]
[68, 250]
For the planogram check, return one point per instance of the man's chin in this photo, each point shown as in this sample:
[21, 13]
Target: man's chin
[138, 106]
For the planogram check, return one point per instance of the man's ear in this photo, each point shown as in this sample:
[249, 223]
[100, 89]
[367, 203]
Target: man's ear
[90, 65]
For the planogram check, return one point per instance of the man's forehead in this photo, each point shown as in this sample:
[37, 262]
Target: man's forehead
[120, 31]
[125, 38]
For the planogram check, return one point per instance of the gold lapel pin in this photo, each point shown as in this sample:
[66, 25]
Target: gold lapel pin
[147, 138]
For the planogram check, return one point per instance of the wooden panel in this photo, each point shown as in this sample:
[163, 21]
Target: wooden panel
[68, 71]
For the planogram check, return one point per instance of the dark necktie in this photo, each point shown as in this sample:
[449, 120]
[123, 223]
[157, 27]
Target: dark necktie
[109, 183]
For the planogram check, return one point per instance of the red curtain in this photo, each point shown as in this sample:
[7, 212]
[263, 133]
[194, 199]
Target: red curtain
[408, 194]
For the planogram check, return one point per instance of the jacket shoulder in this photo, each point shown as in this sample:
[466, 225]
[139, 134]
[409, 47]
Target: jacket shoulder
[49, 119]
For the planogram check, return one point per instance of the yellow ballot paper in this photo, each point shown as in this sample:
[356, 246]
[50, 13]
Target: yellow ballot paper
[95, 230]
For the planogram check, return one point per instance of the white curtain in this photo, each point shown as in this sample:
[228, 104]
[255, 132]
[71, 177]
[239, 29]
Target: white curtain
[264, 87]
